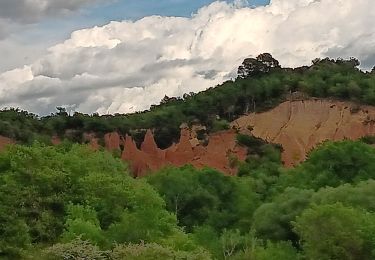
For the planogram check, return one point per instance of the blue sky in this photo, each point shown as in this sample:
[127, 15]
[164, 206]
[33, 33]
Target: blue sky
[54, 29]
[134, 9]
[33, 40]
[118, 10]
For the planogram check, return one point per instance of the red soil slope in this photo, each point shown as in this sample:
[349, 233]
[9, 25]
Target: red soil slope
[219, 153]
[112, 141]
[300, 125]
[4, 141]
[55, 140]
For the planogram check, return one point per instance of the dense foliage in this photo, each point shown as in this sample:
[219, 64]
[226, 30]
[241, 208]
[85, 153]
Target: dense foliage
[70, 202]
[56, 194]
[322, 209]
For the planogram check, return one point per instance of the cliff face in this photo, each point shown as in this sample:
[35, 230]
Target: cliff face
[300, 125]
[112, 141]
[221, 149]
[55, 140]
[4, 141]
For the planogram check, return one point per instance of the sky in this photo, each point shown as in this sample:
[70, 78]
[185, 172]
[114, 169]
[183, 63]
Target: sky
[120, 56]
[30, 38]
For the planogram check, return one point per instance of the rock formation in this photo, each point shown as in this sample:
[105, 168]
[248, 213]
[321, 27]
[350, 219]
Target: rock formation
[112, 141]
[301, 125]
[298, 125]
[91, 140]
[4, 141]
[219, 153]
[55, 140]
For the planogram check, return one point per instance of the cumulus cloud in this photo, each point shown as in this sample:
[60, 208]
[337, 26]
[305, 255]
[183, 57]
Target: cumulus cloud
[127, 66]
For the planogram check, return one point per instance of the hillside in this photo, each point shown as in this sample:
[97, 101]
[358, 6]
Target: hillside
[262, 85]
[300, 125]
[4, 141]
[204, 175]
[297, 125]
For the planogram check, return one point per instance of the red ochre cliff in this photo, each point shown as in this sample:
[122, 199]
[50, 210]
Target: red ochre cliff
[299, 126]
[218, 154]
[4, 141]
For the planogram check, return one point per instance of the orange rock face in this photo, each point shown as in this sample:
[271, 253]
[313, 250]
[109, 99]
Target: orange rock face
[55, 140]
[4, 141]
[299, 126]
[92, 141]
[112, 141]
[219, 153]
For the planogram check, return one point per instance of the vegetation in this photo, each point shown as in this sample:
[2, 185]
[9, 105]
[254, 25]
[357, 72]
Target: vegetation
[56, 194]
[70, 202]
[261, 84]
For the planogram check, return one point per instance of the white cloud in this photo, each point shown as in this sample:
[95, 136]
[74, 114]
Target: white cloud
[127, 66]
[30, 11]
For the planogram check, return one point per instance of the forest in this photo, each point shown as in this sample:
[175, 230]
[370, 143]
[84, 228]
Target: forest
[68, 201]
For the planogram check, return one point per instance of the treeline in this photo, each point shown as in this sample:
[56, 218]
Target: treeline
[262, 84]
[69, 202]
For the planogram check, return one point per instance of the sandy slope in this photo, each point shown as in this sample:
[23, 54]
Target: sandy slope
[300, 125]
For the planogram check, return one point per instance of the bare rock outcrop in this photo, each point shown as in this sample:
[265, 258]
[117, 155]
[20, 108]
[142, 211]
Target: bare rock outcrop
[55, 140]
[183, 151]
[149, 145]
[112, 141]
[4, 141]
[136, 158]
[300, 125]
[91, 140]
[219, 153]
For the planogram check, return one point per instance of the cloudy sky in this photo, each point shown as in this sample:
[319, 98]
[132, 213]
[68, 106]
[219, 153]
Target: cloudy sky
[111, 56]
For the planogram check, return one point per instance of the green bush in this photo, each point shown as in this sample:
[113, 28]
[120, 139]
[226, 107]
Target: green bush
[52, 193]
[337, 232]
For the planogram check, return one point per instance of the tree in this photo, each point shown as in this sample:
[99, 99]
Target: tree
[62, 111]
[269, 251]
[83, 222]
[273, 220]
[268, 60]
[155, 251]
[361, 195]
[332, 164]
[75, 249]
[251, 67]
[38, 185]
[337, 232]
[206, 197]
[263, 63]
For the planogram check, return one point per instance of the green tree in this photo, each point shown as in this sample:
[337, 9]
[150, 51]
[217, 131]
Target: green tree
[273, 220]
[52, 193]
[155, 251]
[269, 251]
[206, 196]
[361, 195]
[337, 232]
[333, 164]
